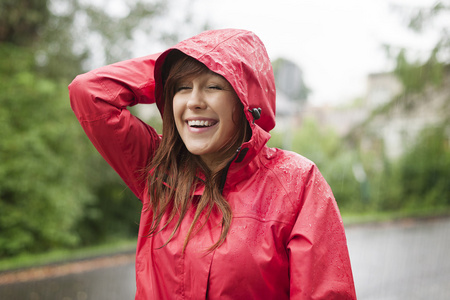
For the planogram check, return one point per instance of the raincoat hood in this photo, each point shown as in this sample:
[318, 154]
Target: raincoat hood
[241, 58]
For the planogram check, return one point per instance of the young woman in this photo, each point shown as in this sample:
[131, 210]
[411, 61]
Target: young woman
[224, 216]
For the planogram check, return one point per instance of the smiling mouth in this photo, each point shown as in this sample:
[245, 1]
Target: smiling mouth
[201, 123]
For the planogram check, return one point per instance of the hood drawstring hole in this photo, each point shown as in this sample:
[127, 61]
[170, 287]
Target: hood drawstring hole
[256, 113]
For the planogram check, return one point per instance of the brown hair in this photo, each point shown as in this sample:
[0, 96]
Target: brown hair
[172, 172]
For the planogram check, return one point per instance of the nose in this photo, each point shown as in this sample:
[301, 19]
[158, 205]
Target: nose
[196, 100]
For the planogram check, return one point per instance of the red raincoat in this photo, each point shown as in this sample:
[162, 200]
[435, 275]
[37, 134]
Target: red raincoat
[286, 240]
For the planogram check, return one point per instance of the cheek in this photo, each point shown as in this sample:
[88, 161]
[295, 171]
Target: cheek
[233, 120]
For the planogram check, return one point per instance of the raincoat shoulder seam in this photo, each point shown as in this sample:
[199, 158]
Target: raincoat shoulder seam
[261, 219]
[98, 79]
[280, 183]
[97, 118]
[115, 95]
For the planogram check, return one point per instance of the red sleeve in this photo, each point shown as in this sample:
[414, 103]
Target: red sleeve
[318, 256]
[100, 99]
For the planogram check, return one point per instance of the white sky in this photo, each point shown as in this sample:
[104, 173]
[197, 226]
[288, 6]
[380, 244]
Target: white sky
[335, 42]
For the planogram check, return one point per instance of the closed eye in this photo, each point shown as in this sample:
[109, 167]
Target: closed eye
[215, 87]
[181, 88]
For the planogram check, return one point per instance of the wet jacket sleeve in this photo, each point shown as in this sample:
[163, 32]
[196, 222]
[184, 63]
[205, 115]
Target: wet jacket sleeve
[100, 99]
[317, 248]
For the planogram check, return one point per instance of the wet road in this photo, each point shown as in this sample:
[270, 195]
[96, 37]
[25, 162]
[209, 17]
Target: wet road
[107, 283]
[407, 260]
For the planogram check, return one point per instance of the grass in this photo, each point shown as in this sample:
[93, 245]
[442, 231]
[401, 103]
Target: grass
[390, 216]
[28, 260]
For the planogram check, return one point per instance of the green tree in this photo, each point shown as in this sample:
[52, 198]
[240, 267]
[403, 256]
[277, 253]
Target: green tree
[55, 189]
[22, 20]
[335, 160]
[416, 73]
[42, 190]
[418, 179]
[425, 169]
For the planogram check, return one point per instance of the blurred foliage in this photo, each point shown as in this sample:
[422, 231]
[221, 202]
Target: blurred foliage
[90, 33]
[363, 178]
[115, 212]
[22, 20]
[418, 181]
[416, 73]
[425, 168]
[335, 161]
[42, 184]
[423, 17]
[55, 189]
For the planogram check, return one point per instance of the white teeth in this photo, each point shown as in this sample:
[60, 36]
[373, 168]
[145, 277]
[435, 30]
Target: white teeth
[200, 123]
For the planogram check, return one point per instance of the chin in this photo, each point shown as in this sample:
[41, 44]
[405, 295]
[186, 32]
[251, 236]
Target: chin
[196, 151]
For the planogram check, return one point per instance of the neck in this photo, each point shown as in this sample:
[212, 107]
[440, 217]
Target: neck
[216, 162]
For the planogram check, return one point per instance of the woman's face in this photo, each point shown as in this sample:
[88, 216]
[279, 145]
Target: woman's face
[205, 109]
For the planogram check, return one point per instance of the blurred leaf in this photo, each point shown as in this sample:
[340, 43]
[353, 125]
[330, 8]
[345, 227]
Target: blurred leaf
[41, 197]
[55, 189]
